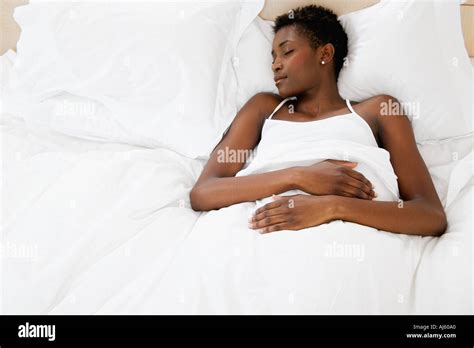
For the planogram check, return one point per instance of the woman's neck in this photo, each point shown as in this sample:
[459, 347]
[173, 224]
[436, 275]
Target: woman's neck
[320, 101]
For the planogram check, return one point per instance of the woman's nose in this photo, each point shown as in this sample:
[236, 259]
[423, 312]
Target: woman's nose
[276, 66]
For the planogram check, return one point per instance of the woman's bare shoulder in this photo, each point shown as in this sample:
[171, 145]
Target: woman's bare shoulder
[373, 107]
[266, 102]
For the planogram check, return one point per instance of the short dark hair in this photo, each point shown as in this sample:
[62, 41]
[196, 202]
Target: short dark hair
[321, 26]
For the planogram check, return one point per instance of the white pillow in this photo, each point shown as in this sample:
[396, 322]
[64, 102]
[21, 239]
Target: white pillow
[163, 71]
[254, 71]
[412, 50]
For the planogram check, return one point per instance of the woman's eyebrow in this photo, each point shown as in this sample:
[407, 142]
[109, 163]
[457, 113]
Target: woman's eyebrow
[281, 44]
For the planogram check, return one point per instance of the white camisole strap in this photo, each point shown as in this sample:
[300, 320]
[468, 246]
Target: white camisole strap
[280, 105]
[350, 106]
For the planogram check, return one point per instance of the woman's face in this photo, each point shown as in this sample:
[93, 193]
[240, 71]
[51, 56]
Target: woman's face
[295, 64]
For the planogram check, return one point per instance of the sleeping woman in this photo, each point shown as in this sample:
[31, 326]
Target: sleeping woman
[320, 158]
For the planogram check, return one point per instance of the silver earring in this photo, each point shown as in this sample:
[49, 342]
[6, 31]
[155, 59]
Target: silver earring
[323, 62]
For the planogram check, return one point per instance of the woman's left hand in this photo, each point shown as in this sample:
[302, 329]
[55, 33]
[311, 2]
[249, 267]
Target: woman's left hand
[292, 213]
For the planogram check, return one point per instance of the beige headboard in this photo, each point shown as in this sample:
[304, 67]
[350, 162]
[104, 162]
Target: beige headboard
[10, 31]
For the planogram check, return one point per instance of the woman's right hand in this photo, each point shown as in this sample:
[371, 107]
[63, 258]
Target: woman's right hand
[333, 177]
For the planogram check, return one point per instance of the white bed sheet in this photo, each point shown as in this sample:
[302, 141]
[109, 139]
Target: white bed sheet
[106, 228]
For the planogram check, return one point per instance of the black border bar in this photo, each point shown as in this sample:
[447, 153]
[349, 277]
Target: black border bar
[291, 331]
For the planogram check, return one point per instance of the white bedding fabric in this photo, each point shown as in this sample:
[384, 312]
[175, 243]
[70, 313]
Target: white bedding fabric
[107, 229]
[100, 80]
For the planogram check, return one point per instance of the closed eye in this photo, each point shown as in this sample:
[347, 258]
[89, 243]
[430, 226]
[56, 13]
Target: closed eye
[286, 53]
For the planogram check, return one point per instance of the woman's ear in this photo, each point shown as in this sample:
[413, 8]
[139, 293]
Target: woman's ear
[327, 53]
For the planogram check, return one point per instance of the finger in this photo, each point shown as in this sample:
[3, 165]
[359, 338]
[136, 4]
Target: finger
[345, 194]
[275, 197]
[267, 206]
[356, 175]
[269, 221]
[267, 213]
[360, 185]
[277, 227]
[348, 164]
[356, 192]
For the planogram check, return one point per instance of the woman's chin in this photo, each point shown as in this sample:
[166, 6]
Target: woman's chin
[285, 92]
[282, 92]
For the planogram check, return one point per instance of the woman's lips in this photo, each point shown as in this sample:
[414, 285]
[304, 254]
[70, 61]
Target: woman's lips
[279, 80]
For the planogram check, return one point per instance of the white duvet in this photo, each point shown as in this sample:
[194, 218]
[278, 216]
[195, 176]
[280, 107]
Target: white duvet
[107, 229]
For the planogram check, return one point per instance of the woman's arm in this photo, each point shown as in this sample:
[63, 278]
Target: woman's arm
[222, 192]
[420, 212]
[301, 211]
[415, 216]
[217, 185]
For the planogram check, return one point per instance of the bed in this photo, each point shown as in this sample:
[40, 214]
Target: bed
[96, 217]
